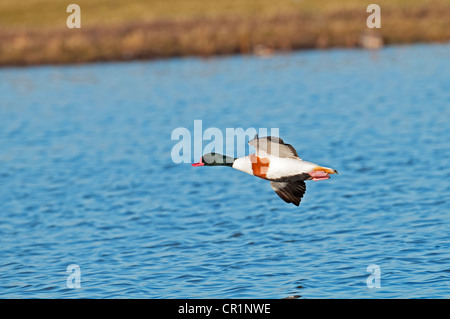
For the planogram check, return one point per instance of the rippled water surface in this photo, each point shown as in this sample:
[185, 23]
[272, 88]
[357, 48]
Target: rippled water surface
[87, 178]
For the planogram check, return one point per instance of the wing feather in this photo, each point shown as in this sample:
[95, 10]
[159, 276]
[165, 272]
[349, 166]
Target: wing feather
[272, 145]
[290, 192]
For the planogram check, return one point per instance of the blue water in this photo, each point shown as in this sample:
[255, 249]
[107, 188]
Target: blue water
[87, 178]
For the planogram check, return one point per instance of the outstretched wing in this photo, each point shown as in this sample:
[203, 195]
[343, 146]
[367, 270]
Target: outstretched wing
[290, 192]
[272, 145]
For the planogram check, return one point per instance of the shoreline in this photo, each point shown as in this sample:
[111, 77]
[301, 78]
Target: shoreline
[274, 53]
[219, 36]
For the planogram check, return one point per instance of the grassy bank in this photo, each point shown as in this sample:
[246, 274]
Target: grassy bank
[35, 32]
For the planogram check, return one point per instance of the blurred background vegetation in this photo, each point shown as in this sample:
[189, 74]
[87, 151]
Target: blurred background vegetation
[35, 31]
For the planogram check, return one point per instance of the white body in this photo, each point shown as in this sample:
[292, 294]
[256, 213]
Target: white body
[279, 167]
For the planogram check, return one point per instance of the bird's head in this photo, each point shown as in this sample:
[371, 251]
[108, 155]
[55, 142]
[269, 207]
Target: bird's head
[215, 159]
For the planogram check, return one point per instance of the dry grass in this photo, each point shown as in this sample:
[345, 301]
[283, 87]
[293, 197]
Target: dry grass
[118, 30]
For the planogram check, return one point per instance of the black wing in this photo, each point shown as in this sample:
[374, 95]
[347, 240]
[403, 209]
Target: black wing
[290, 192]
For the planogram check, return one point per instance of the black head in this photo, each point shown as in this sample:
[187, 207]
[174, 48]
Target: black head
[215, 159]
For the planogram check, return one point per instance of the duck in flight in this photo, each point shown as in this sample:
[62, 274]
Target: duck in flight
[276, 162]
